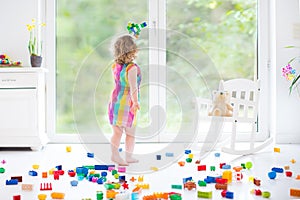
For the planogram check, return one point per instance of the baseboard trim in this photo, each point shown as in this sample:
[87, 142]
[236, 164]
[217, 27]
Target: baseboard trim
[287, 139]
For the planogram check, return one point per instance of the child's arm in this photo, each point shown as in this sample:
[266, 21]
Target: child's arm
[132, 79]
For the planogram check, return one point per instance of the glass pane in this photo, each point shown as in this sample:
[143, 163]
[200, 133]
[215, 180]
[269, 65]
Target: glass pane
[207, 41]
[85, 31]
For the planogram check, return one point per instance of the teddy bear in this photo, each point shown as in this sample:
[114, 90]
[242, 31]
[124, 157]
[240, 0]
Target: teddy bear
[221, 104]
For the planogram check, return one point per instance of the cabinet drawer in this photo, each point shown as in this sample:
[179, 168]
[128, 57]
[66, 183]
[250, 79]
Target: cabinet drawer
[18, 80]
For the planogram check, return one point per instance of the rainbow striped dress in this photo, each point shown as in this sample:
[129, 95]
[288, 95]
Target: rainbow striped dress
[119, 112]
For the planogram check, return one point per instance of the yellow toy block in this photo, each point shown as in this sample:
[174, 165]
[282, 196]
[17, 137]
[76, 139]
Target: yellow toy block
[227, 175]
[276, 149]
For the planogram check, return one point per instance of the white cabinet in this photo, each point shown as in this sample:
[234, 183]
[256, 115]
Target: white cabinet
[22, 107]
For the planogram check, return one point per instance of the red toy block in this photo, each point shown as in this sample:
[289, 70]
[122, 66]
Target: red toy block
[257, 192]
[221, 165]
[17, 197]
[46, 186]
[56, 175]
[201, 167]
[72, 173]
[223, 193]
[289, 173]
[44, 175]
[221, 180]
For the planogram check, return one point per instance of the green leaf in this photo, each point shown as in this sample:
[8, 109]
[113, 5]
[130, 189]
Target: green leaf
[294, 82]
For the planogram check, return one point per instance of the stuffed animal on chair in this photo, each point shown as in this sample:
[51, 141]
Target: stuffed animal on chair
[221, 104]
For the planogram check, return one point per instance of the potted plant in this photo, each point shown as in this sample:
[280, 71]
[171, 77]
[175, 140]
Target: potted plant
[35, 43]
[290, 73]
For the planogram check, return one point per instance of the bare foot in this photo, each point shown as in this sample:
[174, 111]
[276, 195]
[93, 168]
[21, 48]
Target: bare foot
[131, 160]
[119, 160]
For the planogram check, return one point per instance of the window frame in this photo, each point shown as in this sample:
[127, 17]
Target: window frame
[157, 10]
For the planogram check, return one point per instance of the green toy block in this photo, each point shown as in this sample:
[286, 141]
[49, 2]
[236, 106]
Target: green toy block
[202, 183]
[212, 168]
[176, 187]
[2, 170]
[189, 160]
[206, 195]
[266, 194]
[175, 197]
[248, 165]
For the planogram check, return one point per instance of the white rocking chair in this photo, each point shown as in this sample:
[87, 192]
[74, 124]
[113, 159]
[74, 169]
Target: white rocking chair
[244, 99]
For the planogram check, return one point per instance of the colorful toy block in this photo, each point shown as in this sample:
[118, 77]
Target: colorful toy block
[293, 161]
[44, 174]
[201, 167]
[189, 185]
[227, 175]
[294, 192]
[122, 169]
[184, 180]
[277, 149]
[277, 169]
[227, 194]
[99, 195]
[2, 170]
[289, 173]
[169, 154]
[17, 197]
[249, 165]
[226, 166]
[135, 28]
[12, 182]
[140, 178]
[179, 187]
[32, 173]
[27, 187]
[68, 149]
[220, 186]
[188, 160]
[212, 168]
[90, 155]
[35, 166]
[256, 182]
[158, 157]
[111, 194]
[74, 183]
[42, 196]
[19, 178]
[45, 186]
[272, 175]
[203, 194]
[202, 183]
[57, 195]
[187, 151]
[266, 194]
[181, 163]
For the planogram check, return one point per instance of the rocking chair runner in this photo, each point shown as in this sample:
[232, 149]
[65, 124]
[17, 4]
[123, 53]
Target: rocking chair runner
[244, 99]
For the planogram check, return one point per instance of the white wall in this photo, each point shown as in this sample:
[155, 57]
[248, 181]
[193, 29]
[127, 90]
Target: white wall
[287, 120]
[14, 36]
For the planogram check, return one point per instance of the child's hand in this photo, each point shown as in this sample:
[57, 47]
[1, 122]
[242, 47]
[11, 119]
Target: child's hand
[135, 107]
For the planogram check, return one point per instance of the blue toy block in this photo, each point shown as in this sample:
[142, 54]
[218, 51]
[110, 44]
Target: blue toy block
[187, 179]
[277, 169]
[188, 151]
[158, 157]
[122, 178]
[12, 182]
[217, 155]
[103, 173]
[226, 167]
[90, 155]
[272, 175]
[100, 181]
[58, 167]
[74, 183]
[210, 179]
[169, 154]
[120, 149]
[32, 173]
[229, 195]
[82, 170]
[101, 167]
[134, 196]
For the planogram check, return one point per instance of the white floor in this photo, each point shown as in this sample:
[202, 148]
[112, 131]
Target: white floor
[19, 163]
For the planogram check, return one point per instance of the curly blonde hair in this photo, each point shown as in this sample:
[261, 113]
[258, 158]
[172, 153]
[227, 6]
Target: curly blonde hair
[125, 49]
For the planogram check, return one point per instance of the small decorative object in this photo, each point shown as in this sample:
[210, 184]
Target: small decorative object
[5, 61]
[35, 43]
[135, 28]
